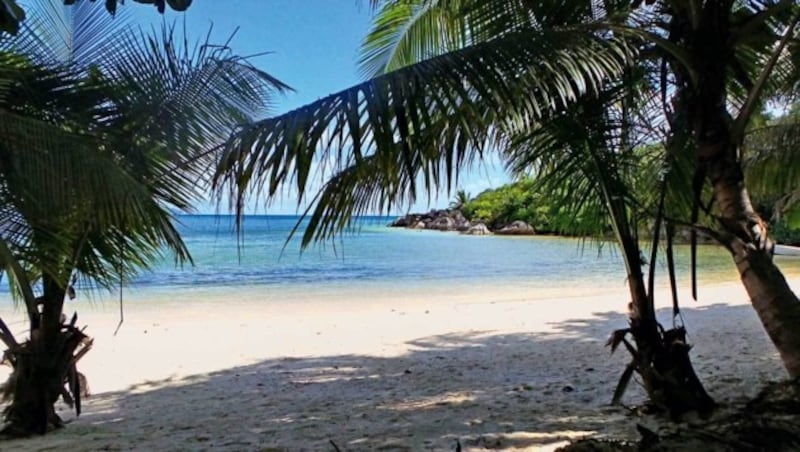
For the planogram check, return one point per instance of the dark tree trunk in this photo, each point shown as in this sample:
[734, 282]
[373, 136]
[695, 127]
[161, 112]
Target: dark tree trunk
[35, 386]
[742, 230]
[661, 357]
[747, 239]
[41, 367]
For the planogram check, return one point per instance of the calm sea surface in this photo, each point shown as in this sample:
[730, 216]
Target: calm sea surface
[376, 254]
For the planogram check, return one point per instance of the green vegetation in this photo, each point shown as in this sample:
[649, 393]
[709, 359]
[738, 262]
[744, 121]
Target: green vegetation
[104, 135]
[786, 232]
[460, 200]
[517, 201]
[524, 200]
[628, 116]
[528, 201]
[772, 169]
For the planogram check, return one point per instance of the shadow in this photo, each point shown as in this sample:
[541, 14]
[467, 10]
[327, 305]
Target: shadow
[488, 390]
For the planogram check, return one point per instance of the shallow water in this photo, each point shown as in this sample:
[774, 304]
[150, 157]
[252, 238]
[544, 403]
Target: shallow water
[376, 257]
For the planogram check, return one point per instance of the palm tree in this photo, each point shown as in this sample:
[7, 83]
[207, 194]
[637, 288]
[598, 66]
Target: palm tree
[451, 78]
[461, 199]
[104, 135]
[772, 167]
[670, 381]
[588, 162]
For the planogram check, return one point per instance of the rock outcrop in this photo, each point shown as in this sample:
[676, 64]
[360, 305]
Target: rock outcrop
[403, 222]
[443, 223]
[439, 220]
[516, 228]
[478, 229]
[454, 220]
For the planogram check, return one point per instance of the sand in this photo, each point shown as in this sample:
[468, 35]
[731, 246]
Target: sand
[495, 367]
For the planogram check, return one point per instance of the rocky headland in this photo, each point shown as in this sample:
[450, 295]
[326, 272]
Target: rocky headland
[454, 220]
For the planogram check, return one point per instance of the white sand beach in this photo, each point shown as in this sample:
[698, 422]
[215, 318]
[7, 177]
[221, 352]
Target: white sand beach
[494, 367]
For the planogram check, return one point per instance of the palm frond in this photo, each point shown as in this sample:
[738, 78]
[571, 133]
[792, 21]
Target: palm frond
[439, 113]
[57, 34]
[771, 162]
[69, 198]
[406, 32]
[19, 277]
[580, 158]
[755, 93]
[97, 152]
[186, 102]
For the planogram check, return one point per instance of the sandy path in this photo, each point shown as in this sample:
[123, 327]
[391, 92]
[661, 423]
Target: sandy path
[495, 367]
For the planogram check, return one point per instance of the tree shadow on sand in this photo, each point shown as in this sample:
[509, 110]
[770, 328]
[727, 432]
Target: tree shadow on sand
[488, 390]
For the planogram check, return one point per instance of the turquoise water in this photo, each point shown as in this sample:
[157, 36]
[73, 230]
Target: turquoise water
[374, 253]
[377, 254]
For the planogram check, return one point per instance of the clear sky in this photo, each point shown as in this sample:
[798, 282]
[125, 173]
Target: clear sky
[314, 49]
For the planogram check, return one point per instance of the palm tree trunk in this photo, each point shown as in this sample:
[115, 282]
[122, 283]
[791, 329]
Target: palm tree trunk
[777, 306]
[40, 368]
[743, 232]
[661, 357]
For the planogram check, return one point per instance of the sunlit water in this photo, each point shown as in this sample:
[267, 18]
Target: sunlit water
[376, 255]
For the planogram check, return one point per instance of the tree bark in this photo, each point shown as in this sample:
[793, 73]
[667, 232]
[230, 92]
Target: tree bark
[35, 386]
[661, 357]
[40, 368]
[704, 97]
[777, 306]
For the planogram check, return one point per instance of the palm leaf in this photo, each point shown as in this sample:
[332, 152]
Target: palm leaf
[406, 32]
[97, 151]
[439, 113]
[771, 163]
[188, 102]
[55, 33]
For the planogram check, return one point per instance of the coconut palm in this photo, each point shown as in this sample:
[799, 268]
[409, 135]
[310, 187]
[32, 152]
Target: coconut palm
[591, 162]
[461, 199]
[423, 119]
[105, 132]
[772, 167]
[450, 78]
[351, 188]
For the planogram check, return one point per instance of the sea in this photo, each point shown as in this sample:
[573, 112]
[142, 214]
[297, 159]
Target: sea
[373, 255]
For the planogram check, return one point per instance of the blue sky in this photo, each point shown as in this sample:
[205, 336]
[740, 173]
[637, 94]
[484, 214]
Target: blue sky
[314, 49]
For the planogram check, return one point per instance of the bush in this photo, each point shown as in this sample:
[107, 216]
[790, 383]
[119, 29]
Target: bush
[781, 232]
[517, 201]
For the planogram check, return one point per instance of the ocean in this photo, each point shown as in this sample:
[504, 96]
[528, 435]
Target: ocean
[375, 255]
[371, 253]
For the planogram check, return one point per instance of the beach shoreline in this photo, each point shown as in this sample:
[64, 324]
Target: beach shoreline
[494, 366]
